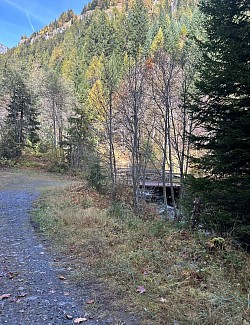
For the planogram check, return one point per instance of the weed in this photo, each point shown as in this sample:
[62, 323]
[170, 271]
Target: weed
[87, 203]
[183, 282]
[5, 162]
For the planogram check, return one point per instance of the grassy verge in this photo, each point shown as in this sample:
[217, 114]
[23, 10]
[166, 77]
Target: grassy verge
[162, 274]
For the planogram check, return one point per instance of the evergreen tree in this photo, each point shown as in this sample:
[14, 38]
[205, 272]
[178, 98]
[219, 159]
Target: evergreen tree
[79, 138]
[99, 36]
[137, 28]
[222, 112]
[21, 124]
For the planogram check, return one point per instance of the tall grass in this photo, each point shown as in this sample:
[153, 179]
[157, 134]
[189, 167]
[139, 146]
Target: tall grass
[184, 283]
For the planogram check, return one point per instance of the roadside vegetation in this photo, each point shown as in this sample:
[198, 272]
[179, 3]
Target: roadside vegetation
[157, 270]
[130, 88]
[139, 86]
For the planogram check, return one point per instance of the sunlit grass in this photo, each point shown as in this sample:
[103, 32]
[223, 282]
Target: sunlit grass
[183, 282]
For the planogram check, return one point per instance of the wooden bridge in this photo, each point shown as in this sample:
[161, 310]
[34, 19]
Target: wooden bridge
[151, 178]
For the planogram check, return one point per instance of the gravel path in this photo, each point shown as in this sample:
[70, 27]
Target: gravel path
[29, 274]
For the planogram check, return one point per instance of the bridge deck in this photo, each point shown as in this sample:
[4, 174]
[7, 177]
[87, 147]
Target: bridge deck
[152, 178]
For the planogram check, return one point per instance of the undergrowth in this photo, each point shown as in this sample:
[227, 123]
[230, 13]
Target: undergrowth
[163, 274]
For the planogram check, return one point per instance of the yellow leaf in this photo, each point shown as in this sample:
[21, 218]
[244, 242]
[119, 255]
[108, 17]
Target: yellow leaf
[158, 41]
[94, 69]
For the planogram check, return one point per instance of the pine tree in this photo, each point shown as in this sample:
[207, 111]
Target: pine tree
[222, 112]
[21, 124]
[99, 36]
[137, 28]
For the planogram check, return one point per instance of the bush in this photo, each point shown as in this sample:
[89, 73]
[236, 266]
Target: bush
[95, 173]
[9, 149]
[225, 205]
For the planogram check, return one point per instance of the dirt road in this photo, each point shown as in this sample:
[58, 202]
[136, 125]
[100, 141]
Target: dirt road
[33, 288]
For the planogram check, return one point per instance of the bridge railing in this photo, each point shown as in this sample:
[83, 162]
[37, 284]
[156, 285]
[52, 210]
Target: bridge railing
[124, 176]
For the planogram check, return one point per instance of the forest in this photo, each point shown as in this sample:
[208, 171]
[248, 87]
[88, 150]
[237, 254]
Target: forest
[142, 85]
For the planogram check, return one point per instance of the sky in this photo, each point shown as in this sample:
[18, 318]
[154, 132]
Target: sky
[23, 17]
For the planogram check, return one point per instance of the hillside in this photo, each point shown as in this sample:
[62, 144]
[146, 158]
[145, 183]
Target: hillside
[146, 104]
[119, 87]
[65, 20]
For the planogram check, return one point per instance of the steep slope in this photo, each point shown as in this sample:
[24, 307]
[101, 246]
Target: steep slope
[58, 26]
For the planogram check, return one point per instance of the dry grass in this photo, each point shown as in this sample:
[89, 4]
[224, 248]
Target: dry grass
[184, 283]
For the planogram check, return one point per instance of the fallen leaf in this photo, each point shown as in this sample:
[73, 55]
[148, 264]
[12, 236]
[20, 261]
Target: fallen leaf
[144, 272]
[61, 277]
[22, 295]
[141, 289]
[80, 320]
[91, 301]
[11, 275]
[5, 296]
[68, 316]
